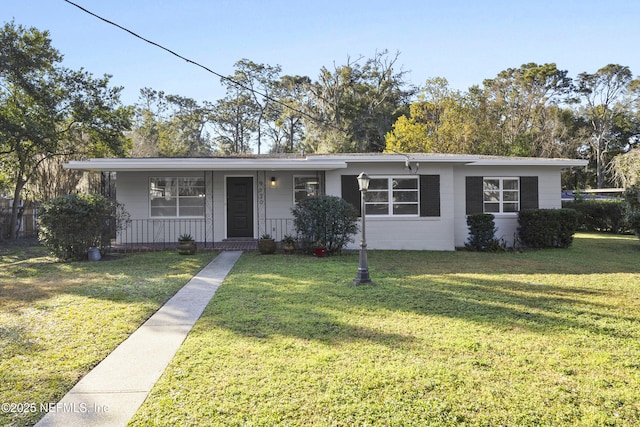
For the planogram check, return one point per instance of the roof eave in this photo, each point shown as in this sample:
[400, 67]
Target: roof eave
[563, 163]
[118, 165]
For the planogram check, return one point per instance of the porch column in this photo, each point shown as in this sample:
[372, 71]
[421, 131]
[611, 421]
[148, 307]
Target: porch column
[261, 210]
[208, 208]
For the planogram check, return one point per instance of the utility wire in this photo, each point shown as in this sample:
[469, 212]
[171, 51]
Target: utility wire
[197, 64]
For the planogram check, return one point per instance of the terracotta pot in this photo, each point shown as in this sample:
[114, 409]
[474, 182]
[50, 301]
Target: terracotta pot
[187, 247]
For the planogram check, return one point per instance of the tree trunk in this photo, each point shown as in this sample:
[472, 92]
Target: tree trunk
[15, 209]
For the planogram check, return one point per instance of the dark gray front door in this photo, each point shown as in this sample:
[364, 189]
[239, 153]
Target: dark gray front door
[240, 207]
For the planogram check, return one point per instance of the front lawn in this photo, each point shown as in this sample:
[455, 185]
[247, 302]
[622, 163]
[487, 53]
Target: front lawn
[547, 338]
[58, 320]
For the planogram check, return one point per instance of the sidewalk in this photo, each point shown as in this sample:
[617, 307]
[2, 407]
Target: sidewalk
[112, 392]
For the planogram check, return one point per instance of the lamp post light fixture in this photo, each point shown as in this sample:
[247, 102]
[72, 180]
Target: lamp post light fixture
[363, 267]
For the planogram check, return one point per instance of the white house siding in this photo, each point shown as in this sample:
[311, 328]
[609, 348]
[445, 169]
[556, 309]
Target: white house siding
[272, 205]
[412, 233]
[549, 192]
[133, 192]
[279, 200]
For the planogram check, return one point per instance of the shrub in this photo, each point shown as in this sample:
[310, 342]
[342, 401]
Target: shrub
[482, 232]
[324, 221]
[70, 225]
[608, 216]
[632, 197]
[547, 228]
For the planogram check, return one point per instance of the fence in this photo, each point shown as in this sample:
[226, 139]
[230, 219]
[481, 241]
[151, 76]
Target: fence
[161, 232]
[279, 227]
[26, 227]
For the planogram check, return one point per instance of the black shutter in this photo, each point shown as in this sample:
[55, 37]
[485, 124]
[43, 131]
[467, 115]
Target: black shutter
[351, 191]
[528, 192]
[429, 195]
[474, 195]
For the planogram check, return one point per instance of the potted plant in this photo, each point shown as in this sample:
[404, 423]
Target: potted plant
[266, 244]
[186, 245]
[320, 251]
[288, 244]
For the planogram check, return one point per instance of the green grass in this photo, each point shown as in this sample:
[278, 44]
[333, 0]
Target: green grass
[542, 338]
[58, 320]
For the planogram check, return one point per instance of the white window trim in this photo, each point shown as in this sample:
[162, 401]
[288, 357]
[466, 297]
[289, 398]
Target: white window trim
[501, 202]
[390, 202]
[293, 184]
[177, 216]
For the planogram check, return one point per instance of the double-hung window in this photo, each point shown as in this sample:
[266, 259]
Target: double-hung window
[393, 196]
[176, 197]
[501, 195]
[304, 187]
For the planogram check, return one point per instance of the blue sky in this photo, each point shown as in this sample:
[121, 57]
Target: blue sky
[463, 41]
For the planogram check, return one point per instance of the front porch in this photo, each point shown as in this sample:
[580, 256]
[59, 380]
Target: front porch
[144, 235]
[224, 245]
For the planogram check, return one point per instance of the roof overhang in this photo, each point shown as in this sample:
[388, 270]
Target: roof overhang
[205, 164]
[312, 162]
[523, 161]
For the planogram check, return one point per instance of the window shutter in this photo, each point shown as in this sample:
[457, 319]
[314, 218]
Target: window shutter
[528, 192]
[474, 193]
[429, 195]
[351, 191]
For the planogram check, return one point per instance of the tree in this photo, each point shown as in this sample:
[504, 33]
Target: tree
[233, 124]
[625, 168]
[437, 122]
[254, 85]
[47, 111]
[170, 126]
[516, 113]
[288, 114]
[521, 97]
[606, 99]
[356, 105]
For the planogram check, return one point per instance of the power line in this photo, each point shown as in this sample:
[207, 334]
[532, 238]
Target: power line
[197, 64]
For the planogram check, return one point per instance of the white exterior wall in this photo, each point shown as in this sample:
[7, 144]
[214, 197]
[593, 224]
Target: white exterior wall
[413, 233]
[549, 193]
[272, 206]
[133, 192]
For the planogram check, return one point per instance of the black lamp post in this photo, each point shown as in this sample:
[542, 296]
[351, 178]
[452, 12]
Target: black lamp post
[363, 268]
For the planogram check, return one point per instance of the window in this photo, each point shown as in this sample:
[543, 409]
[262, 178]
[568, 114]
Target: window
[392, 196]
[304, 187]
[501, 195]
[176, 197]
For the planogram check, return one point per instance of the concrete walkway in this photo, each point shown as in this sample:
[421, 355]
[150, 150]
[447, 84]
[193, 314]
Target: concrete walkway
[113, 391]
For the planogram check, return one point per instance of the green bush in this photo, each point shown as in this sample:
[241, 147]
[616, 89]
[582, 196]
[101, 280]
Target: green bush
[324, 221]
[632, 197]
[482, 231]
[547, 228]
[609, 216]
[70, 225]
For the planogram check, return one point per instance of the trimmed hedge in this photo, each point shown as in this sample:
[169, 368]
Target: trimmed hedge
[547, 228]
[482, 231]
[609, 216]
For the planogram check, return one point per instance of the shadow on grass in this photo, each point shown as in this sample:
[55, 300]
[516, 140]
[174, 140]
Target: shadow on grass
[310, 298]
[33, 276]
